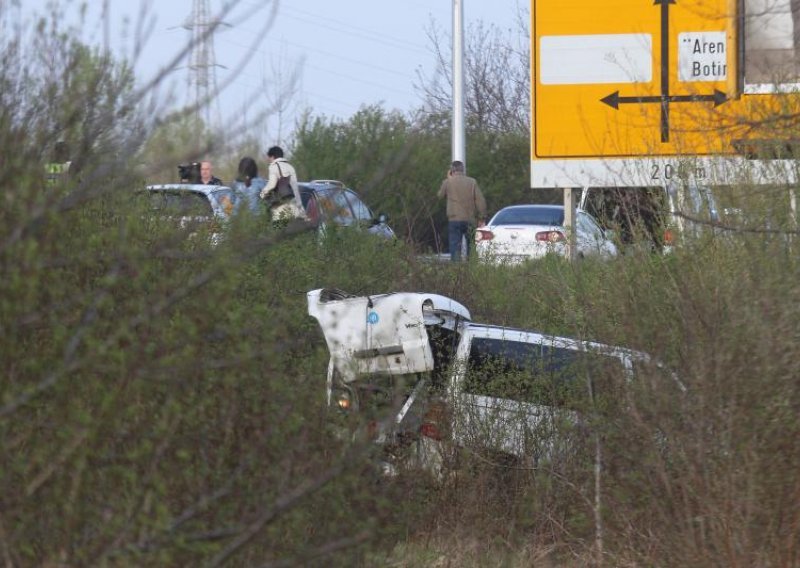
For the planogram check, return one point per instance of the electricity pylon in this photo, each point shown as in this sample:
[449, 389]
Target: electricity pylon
[203, 63]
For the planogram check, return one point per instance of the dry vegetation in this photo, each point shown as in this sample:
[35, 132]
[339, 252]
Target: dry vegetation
[161, 400]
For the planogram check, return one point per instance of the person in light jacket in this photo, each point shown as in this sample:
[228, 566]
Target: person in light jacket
[465, 205]
[286, 209]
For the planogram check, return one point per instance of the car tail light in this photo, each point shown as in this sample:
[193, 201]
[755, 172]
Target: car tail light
[669, 237]
[483, 235]
[433, 423]
[550, 236]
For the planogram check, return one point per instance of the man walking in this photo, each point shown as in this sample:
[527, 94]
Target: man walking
[465, 204]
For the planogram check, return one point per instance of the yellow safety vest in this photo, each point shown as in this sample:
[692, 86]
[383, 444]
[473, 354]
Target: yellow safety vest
[55, 171]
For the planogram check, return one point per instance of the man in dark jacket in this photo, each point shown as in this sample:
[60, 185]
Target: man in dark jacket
[206, 174]
[465, 205]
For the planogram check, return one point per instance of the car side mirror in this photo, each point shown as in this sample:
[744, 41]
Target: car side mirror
[383, 218]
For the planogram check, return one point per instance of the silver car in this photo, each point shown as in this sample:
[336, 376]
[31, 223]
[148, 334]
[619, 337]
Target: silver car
[194, 207]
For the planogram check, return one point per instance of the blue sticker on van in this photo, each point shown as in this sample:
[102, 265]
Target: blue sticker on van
[372, 318]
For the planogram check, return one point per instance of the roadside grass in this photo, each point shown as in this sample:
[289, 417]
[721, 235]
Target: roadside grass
[700, 477]
[164, 405]
[471, 553]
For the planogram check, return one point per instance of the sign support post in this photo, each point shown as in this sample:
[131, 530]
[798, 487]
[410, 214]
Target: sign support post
[459, 151]
[570, 218]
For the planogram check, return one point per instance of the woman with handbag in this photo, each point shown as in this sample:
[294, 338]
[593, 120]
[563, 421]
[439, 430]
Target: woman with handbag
[281, 192]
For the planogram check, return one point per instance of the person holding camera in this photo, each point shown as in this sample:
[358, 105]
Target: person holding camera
[282, 192]
[206, 175]
[465, 205]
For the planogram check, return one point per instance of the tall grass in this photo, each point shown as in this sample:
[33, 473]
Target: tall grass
[163, 402]
[162, 399]
[699, 457]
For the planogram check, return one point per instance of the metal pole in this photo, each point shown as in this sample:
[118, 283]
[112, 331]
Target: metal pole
[570, 218]
[459, 151]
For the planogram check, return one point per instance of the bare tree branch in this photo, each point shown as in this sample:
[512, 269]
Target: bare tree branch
[322, 551]
[735, 228]
[284, 503]
[497, 79]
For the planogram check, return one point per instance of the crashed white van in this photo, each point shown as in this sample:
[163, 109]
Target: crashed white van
[421, 374]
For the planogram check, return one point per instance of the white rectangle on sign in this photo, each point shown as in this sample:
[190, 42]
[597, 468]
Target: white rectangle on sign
[702, 56]
[596, 59]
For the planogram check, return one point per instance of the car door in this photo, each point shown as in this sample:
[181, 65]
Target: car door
[522, 393]
[225, 202]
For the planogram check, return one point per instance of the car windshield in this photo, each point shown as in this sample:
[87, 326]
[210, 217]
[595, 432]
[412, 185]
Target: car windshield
[343, 207]
[529, 216]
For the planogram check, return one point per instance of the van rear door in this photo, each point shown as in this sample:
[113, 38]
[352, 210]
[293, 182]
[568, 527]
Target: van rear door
[385, 334]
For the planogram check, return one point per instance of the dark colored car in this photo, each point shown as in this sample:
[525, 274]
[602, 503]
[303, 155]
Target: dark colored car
[662, 217]
[329, 202]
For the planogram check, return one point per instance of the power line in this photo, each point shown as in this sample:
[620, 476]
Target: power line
[332, 24]
[324, 52]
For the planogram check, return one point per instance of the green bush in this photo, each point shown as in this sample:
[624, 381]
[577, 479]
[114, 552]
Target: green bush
[162, 399]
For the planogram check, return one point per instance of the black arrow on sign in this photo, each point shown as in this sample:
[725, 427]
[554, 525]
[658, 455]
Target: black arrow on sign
[614, 100]
[664, 67]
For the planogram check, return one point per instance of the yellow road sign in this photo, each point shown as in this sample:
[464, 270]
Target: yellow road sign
[625, 79]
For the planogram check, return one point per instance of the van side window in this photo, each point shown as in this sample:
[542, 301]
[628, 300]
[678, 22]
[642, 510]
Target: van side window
[538, 373]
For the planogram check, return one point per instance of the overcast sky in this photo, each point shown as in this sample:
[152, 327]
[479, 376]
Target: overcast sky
[349, 52]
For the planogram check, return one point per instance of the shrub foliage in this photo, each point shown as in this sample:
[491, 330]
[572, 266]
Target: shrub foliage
[162, 399]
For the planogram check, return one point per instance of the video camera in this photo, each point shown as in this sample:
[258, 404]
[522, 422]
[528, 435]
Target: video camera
[189, 173]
